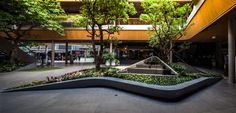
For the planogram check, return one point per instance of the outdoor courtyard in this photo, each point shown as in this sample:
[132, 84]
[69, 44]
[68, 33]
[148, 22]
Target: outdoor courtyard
[118, 56]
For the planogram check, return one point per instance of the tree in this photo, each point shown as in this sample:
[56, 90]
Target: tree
[19, 17]
[168, 20]
[100, 18]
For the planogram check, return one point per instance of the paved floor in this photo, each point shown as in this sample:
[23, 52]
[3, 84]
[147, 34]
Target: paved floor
[219, 98]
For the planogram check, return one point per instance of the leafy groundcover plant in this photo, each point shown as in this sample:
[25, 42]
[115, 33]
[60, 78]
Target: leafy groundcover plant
[7, 67]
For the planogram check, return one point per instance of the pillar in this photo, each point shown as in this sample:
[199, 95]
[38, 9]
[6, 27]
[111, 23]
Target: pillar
[231, 50]
[53, 53]
[111, 47]
[46, 53]
[66, 53]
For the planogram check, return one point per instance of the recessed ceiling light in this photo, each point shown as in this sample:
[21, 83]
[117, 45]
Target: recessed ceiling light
[213, 37]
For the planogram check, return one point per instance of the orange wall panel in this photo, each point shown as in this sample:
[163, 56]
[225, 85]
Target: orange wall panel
[209, 12]
[82, 35]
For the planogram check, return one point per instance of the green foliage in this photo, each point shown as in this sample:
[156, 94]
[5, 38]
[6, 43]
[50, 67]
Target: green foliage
[102, 72]
[24, 13]
[108, 56]
[168, 20]
[103, 12]
[183, 71]
[106, 11]
[101, 15]
[7, 67]
[178, 68]
[19, 17]
[159, 80]
[207, 74]
[117, 62]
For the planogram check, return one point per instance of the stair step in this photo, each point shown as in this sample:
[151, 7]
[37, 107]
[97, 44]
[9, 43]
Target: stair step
[149, 66]
[146, 70]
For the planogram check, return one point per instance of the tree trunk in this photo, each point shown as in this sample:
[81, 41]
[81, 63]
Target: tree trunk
[95, 56]
[111, 52]
[98, 62]
[13, 52]
[99, 57]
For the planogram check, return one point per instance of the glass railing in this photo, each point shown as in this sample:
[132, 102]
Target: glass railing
[28, 51]
[131, 21]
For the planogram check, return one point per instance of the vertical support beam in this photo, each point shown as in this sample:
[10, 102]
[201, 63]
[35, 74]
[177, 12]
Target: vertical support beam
[46, 53]
[85, 55]
[53, 53]
[231, 50]
[66, 53]
[111, 47]
[118, 53]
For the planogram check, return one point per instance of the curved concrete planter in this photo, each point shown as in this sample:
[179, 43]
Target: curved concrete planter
[164, 92]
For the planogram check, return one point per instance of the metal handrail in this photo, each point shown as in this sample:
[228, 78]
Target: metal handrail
[142, 61]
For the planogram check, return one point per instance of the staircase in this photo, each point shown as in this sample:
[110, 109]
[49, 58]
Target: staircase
[3, 56]
[5, 48]
[152, 65]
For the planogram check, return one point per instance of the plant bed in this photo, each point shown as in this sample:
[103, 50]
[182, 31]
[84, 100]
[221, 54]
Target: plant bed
[165, 87]
[112, 72]
[173, 92]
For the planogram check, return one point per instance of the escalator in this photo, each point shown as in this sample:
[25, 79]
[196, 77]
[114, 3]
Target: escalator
[23, 56]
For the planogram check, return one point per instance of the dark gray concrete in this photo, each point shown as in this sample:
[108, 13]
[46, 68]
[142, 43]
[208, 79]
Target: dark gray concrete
[53, 53]
[219, 98]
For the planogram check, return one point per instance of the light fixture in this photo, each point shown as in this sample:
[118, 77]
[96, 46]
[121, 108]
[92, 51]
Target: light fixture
[213, 37]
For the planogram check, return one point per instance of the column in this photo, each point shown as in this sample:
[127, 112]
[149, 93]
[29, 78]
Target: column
[46, 53]
[111, 47]
[231, 50]
[53, 53]
[66, 53]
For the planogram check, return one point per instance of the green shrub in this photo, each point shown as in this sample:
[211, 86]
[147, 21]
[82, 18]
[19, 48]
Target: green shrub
[207, 74]
[159, 80]
[7, 67]
[178, 68]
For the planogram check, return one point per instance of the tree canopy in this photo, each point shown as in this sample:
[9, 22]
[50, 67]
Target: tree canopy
[168, 20]
[100, 17]
[16, 14]
[17, 17]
